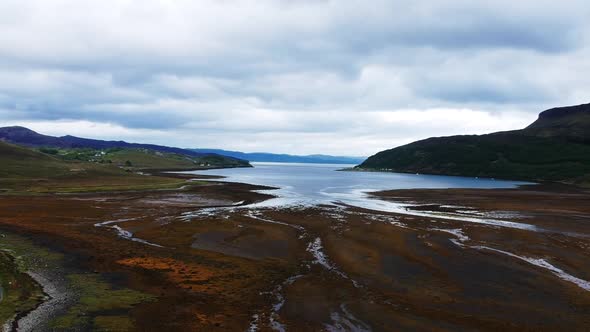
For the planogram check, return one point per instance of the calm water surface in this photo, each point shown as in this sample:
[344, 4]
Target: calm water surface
[313, 184]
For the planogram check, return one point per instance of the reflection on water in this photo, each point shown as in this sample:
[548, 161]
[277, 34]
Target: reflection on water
[313, 184]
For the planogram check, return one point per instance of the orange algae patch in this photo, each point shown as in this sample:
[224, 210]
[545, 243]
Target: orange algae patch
[186, 275]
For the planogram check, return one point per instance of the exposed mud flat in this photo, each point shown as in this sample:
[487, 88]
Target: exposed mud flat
[224, 263]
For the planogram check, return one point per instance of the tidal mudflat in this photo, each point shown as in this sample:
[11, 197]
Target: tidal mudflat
[236, 257]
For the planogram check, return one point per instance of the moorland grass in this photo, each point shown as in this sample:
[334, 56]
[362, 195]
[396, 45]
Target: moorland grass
[27, 171]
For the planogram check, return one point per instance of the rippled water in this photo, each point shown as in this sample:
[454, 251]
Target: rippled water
[313, 184]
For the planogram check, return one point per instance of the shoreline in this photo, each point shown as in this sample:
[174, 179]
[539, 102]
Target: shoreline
[582, 184]
[205, 168]
[373, 170]
[141, 180]
[383, 268]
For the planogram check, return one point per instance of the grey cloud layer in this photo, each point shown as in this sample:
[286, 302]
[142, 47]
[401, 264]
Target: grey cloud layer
[319, 71]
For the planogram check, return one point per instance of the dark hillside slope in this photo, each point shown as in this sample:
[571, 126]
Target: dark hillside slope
[554, 148]
[571, 123]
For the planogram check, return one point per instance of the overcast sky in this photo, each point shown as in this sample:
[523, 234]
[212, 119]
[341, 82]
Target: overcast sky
[340, 77]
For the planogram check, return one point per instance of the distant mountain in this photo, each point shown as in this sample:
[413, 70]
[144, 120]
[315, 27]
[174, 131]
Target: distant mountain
[26, 137]
[284, 158]
[556, 147]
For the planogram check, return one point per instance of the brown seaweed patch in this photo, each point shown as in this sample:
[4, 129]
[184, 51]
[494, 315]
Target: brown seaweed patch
[186, 275]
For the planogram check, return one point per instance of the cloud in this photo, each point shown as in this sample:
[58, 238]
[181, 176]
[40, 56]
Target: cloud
[346, 77]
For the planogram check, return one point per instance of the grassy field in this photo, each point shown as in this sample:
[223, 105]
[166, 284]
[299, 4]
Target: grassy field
[28, 171]
[142, 159]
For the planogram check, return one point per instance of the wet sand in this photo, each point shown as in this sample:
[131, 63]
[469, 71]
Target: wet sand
[212, 263]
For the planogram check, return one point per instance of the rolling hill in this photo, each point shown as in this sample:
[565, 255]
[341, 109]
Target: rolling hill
[24, 170]
[144, 159]
[19, 162]
[145, 155]
[284, 158]
[556, 147]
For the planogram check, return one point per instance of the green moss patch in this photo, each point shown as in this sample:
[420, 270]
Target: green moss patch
[18, 291]
[95, 298]
[98, 305]
[113, 323]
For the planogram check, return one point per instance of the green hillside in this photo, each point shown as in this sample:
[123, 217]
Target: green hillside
[143, 159]
[24, 170]
[554, 148]
[19, 162]
[146, 156]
